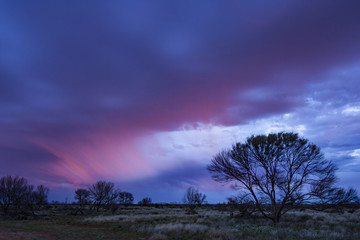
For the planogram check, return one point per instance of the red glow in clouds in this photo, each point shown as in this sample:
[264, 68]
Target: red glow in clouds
[90, 160]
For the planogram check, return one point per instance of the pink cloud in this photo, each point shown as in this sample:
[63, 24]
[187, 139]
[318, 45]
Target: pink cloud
[98, 156]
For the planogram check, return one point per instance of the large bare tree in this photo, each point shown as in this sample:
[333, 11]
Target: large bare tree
[280, 171]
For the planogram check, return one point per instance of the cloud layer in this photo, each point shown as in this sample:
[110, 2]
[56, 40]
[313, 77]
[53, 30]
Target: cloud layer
[132, 90]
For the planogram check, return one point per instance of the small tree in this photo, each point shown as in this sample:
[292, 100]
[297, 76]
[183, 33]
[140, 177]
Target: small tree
[280, 171]
[83, 197]
[193, 198]
[41, 196]
[13, 191]
[126, 198]
[101, 193]
[146, 201]
[111, 201]
[30, 199]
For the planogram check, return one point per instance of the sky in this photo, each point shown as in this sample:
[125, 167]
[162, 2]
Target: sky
[144, 93]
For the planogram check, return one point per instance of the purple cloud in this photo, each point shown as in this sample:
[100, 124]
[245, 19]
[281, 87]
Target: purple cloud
[83, 84]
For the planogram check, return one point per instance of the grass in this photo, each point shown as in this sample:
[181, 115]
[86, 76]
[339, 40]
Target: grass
[175, 223]
[66, 227]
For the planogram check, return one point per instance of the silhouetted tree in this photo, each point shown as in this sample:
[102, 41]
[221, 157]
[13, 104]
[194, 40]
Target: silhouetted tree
[101, 193]
[280, 171]
[126, 198]
[243, 203]
[83, 197]
[15, 191]
[145, 201]
[334, 197]
[41, 196]
[193, 198]
[35, 199]
[29, 200]
[111, 201]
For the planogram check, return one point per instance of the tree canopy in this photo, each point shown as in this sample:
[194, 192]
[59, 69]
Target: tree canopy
[280, 171]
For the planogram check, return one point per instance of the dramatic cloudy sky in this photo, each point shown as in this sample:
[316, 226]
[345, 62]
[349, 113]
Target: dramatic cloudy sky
[144, 93]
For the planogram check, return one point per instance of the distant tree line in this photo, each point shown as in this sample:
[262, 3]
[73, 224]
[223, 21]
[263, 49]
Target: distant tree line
[102, 194]
[17, 196]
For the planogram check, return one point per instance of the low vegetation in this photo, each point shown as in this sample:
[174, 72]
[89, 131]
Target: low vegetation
[175, 222]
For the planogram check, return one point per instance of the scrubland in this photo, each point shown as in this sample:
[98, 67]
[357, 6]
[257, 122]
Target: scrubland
[174, 222]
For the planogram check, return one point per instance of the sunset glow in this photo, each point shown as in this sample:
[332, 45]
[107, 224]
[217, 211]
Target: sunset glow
[144, 93]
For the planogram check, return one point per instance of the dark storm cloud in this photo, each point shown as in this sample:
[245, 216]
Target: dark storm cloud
[163, 61]
[73, 69]
[23, 156]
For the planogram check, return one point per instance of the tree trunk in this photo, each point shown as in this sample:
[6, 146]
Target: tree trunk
[276, 218]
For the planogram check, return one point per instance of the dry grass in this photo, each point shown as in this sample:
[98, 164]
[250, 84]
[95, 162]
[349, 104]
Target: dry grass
[174, 223]
[212, 224]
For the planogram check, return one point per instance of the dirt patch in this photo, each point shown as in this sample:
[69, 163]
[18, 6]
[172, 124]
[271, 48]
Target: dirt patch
[4, 235]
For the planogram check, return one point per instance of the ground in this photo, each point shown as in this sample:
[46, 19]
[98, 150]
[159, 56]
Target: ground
[174, 222]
